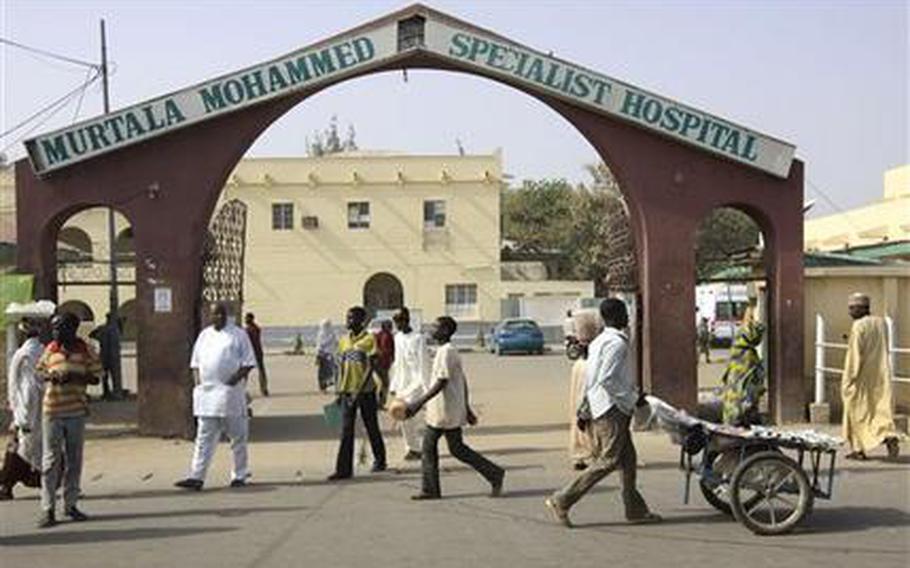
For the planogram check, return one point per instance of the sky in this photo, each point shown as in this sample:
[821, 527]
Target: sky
[829, 76]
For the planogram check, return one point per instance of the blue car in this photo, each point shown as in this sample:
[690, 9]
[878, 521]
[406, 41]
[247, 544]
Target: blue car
[517, 336]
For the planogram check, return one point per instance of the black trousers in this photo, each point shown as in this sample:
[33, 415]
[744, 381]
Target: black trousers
[460, 451]
[366, 402]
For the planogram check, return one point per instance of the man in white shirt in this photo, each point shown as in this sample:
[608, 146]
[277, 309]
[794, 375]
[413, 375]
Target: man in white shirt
[24, 393]
[611, 396]
[448, 411]
[222, 358]
[408, 378]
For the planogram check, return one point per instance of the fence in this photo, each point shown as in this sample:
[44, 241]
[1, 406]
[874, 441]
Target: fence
[821, 345]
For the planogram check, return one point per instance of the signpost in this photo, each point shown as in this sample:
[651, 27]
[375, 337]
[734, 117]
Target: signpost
[366, 48]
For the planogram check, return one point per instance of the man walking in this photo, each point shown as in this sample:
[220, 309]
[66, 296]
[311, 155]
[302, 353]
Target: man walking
[357, 390]
[611, 397]
[67, 366]
[221, 361]
[866, 384]
[24, 392]
[255, 334]
[448, 411]
[385, 356]
[408, 377]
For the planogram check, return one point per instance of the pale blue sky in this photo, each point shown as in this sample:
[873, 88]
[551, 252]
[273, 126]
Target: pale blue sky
[831, 77]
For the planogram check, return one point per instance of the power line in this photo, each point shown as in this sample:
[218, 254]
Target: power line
[48, 53]
[832, 204]
[51, 111]
[61, 100]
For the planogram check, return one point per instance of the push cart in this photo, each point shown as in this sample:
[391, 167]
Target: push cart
[767, 479]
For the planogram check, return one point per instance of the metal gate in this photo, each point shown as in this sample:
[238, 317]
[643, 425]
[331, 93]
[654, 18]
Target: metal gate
[223, 257]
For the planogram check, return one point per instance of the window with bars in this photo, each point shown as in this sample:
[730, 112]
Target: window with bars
[461, 300]
[282, 216]
[359, 215]
[434, 214]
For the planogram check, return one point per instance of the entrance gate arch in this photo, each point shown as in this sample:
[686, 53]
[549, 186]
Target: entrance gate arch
[164, 164]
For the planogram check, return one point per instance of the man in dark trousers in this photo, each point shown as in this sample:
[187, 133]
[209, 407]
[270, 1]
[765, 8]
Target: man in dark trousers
[255, 335]
[108, 338]
[611, 396]
[448, 411]
[357, 390]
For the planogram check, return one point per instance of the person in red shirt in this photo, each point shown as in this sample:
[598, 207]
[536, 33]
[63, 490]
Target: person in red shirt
[385, 347]
[255, 335]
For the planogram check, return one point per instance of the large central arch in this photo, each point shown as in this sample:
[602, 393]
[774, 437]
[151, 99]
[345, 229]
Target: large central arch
[669, 184]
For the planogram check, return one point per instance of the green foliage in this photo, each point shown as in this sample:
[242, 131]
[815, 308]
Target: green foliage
[726, 237]
[537, 217]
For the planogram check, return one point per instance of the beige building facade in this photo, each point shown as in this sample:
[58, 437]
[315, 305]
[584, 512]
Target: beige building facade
[327, 233]
[885, 220]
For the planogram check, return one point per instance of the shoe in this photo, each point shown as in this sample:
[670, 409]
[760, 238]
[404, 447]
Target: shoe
[559, 514]
[47, 520]
[75, 514]
[378, 467]
[190, 484]
[413, 456]
[6, 493]
[648, 519]
[425, 497]
[856, 456]
[337, 477]
[496, 486]
[894, 447]
[579, 466]
[236, 483]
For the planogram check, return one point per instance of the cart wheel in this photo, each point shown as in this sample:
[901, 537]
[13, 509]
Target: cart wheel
[770, 493]
[717, 490]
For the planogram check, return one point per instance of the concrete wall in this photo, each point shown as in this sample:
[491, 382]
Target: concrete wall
[827, 290]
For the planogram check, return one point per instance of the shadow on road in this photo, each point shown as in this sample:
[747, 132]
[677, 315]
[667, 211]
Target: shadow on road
[49, 538]
[854, 519]
[224, 512]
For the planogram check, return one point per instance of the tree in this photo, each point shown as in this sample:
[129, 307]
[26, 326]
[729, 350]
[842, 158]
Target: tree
[537, 217]
[329, 141]
[726, 237]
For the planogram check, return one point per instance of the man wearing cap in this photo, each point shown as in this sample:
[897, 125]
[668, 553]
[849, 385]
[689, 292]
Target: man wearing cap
[24, 392]
[866, 384]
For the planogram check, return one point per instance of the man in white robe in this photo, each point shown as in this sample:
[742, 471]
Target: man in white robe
[866, 384]
[409, 378]
[24, 393]
[222, 359]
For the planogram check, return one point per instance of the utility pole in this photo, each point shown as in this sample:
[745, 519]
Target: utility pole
[113, 323]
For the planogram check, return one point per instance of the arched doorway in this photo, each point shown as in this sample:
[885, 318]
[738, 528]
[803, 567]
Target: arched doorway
[383, 291]
[668, 178]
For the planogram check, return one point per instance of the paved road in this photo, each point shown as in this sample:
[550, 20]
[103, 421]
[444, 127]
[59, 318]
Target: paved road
[291, 517]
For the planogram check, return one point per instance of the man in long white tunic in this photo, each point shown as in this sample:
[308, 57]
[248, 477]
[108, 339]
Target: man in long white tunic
[409, 378]
[866, 384]
[24, 393]
[222, 358]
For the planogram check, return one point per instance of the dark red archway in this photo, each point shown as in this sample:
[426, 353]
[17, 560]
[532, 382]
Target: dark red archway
[178, 177]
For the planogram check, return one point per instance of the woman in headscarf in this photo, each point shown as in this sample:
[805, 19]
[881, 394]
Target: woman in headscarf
[744, 379]
[587, 325]
[326, 349]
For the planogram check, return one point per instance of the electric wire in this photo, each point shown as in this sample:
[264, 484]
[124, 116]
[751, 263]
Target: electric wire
[84, 85]
[832, 204]
[49, 54]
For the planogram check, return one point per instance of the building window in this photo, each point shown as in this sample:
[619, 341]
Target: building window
[461, 300]
[434, 214]
[359, 215]
[282, 216]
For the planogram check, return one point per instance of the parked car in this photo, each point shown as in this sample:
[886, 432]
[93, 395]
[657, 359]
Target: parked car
[516, 336]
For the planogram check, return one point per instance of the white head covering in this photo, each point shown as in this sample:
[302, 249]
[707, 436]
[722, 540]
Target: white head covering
[326, 340]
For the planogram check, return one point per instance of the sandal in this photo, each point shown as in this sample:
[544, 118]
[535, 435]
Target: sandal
[856, 456]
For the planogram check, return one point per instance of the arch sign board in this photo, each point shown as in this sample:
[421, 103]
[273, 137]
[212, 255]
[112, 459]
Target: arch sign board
[415, 29]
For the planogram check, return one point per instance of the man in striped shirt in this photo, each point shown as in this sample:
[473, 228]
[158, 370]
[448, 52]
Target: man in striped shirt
[67, 366]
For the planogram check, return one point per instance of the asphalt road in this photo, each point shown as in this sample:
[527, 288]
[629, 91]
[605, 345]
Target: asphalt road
[290, 516]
